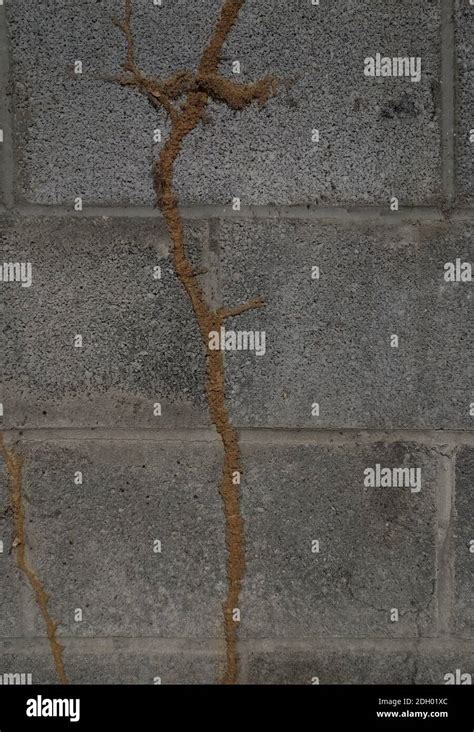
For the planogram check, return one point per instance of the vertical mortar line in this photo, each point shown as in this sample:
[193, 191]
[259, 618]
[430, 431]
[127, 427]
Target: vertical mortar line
[448, 75]
[445, 543]
[6, 115]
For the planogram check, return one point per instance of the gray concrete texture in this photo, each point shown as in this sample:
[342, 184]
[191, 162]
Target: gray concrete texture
[95, 542]
[12, 618]
[140, 342]
[358, 666]
[363, 569]
[344, 582]
[106, 662]
[77, 135]
[464, 542]
[465, 99]
[327, 340]
[108, 568]
[120, 662]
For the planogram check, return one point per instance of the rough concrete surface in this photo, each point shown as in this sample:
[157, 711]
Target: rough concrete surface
[363, 569]
[465, 99]
[78, 135]
[236, 396]
[118, 662]
[355, 665]
[328, 340]
[95, 542]
[97, 280]
[12, 621]
[464, 545]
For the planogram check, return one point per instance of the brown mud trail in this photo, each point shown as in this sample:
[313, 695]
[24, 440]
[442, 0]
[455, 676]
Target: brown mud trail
[14, 465]
[198, 88]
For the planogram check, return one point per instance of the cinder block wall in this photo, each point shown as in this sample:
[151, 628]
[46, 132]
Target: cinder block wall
[356, 195]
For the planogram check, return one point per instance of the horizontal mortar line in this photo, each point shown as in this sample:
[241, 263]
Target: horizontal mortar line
[345, 436]
[382, 214]
[214, 645]
[118, 644]
[180, 639]
[270, 435]
[315, 643]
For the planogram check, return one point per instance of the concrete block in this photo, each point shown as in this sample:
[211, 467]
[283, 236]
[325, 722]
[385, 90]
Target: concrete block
[378, 137]
[464, 543]
[350, 664]
[327, 555]
[147, 667]
[30, 663]
[105, 661]
[464, 99]
[337, 667]
[355, 666]
[140, 344]
[168, 492]
[328, 341]
[452, 667]
[138, 547]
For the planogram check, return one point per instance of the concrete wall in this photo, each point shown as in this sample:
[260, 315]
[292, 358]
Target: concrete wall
[305, 614]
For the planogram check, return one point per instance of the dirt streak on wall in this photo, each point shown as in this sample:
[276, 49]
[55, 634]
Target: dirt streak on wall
[14, 464]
